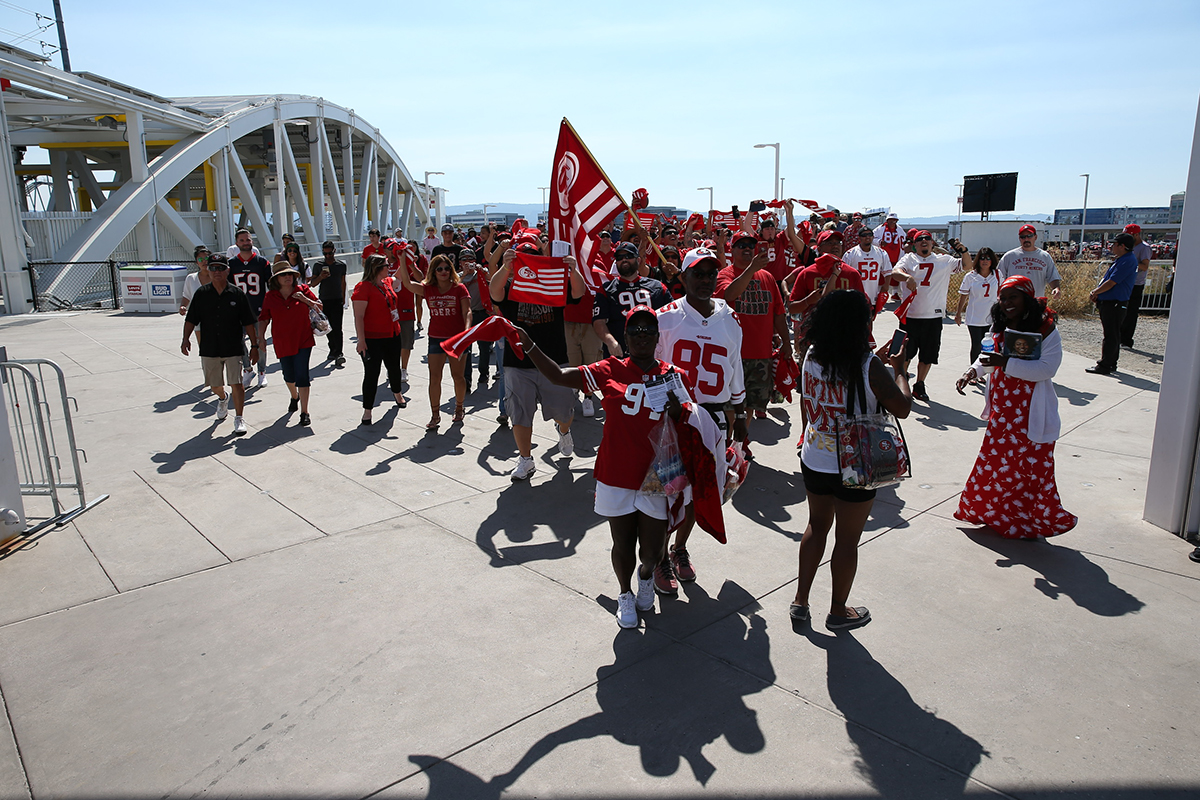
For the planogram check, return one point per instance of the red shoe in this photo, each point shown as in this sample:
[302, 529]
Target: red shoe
[682, 563]
[664, 578]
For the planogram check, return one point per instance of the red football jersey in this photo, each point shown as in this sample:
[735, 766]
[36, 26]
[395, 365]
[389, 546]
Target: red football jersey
[625, 450]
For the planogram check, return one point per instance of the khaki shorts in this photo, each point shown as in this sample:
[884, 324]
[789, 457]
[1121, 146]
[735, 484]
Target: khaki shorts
[213, 367]
[524, 389]
[583, 344]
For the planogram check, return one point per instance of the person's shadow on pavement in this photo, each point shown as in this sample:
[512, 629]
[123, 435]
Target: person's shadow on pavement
[650, 698]
[880, 713]
[1064, 572]
[521, 508]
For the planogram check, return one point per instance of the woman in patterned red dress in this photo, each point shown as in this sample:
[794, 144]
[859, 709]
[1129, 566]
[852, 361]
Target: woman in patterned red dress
[1011, 489]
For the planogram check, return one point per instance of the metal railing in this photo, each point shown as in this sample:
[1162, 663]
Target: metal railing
[40, 429]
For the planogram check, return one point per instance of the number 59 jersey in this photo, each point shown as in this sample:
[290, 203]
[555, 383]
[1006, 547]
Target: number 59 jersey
[710, 348]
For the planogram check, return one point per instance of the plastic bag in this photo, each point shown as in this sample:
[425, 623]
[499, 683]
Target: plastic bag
[736, 467]
[871, 451]
[665, 475]
[319, 322]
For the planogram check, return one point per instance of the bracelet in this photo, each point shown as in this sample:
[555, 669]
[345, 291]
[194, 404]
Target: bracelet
[739, 416]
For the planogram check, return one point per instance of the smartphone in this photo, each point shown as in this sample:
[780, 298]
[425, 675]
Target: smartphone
[758, 205]
[762, 247]
[736, 214]
[897, 341]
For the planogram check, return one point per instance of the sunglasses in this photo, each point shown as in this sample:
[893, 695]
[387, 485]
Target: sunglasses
[442, 269]
[1027, 236]
[641, 330]
[217, 267]
[923, 239]
[626, 256]
[745, 243]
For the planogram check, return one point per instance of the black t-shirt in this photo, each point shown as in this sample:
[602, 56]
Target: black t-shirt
[619, 297]
[545, 327]
[330, 287]
[451, 250]
[252, 278]
[221, 318]
[674, 285]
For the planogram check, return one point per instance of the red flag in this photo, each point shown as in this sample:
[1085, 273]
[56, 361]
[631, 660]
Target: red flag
[492, 329]
[902, 309]
[647, 220]
[583, 202]
[539, 279]
[787, 373]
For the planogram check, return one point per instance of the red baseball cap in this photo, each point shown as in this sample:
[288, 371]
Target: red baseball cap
[1027, 229]
[739, 235]
[639, 309]
[1133, 228]
[829, 235]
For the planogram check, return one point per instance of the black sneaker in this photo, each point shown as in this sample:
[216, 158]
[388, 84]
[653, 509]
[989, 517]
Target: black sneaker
[918, 392]
[339, 360]
[294, 405]
[305, 420]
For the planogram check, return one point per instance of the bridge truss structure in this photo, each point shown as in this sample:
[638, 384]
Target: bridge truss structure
[144, 178]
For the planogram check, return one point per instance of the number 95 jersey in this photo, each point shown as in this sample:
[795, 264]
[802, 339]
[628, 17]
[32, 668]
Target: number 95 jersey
[710, 348]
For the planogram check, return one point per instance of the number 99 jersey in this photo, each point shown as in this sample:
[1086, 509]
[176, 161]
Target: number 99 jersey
[710, 348]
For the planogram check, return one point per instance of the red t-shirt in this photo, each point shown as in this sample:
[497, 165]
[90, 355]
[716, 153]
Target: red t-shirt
[625, 450]
[384, 250]
[778, 264]
[603, 260]
[582, 311]
[382, 319]
[291, 330]
[809, 277]
[755, 309]
[445, 310]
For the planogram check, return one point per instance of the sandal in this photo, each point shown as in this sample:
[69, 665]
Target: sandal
[836, 623]
[434, 422]
[799, 612]
[459, 413]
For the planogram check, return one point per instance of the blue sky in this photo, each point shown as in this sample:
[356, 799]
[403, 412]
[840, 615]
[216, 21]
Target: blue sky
[874, 103]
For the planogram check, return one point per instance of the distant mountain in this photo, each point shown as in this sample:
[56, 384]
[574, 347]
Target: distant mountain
[527, 209]
[909, 221]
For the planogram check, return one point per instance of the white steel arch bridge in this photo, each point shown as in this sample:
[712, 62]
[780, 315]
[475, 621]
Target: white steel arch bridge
[146, 178]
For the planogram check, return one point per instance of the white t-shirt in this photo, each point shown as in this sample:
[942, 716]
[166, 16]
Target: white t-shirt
[708, 347]
[1037, 265]
[430, 242]
[874, 266]
[933, 281]
[981, 296]
[824, 401]
[190, 284]
[233, 250]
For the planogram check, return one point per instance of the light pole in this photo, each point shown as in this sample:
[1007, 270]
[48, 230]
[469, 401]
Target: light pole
[781, 180]
[486, 206]
[775, 185]
[960, 188]
[1087, 179]
[427, 186]
[709, 190]
[545, 208]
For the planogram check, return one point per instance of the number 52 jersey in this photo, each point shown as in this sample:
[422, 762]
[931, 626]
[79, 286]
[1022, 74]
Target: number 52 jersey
[710, 348]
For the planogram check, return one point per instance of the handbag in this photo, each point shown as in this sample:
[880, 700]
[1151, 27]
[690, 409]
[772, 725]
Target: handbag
[319, 322]
[870, 446]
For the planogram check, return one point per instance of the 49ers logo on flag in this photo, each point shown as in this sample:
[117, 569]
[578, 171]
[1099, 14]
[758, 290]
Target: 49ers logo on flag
[539, 279]
[585, 202]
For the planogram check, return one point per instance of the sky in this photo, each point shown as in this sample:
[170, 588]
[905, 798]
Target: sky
[874, 104]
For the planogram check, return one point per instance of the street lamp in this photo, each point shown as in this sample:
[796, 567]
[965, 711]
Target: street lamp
[486, 206]
[1087, 179]
[960, 188]
[545, 208]
[709, 190]
[781, 180]
[775, 185]
[427, 186]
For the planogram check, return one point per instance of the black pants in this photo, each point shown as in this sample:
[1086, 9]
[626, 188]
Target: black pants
[333, 310]
[977, 334]
[1131, 316]
[380, 353]
[484, 364]
[1112, 314]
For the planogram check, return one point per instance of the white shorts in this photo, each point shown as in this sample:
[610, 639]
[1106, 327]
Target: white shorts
[612, 501]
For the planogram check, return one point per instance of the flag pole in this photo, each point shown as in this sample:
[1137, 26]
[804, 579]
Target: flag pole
[636, 220]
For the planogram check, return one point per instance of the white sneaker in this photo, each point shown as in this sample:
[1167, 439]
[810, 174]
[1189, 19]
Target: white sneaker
[566, 444]
[239, 426]
[589, 408]
[525, 468]
[626, 612]
[404, 376]
[262, 379]
[222, 407]
[247, 378]
[645, 591]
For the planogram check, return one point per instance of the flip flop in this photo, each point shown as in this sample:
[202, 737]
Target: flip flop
[835, 623]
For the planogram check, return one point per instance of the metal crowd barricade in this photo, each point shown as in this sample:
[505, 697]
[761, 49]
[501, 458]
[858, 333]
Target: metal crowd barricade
[40, 419]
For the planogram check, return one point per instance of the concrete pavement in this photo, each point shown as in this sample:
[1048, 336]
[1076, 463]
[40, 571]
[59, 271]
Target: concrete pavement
[346, 611]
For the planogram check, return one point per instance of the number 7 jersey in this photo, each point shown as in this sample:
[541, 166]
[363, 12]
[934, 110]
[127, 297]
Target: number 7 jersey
[710, 348]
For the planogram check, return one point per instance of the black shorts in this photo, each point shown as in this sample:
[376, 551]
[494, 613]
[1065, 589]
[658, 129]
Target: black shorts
[830, 483]
[924, 339]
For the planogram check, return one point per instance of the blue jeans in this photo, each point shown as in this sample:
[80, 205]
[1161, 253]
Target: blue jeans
[295, 368]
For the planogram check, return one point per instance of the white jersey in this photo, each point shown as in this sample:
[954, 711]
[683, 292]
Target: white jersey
[708, 347]
[874, 266]
[981, 296]
[933, 281]
[1037, 265]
